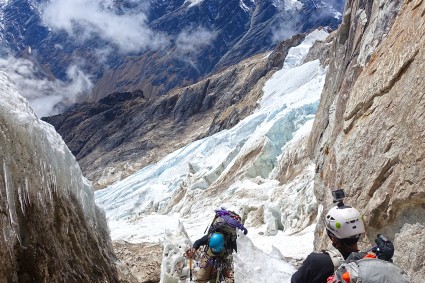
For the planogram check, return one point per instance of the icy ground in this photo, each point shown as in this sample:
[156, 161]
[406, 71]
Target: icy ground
[173, 201]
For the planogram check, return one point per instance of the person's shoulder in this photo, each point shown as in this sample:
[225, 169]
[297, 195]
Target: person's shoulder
[319, 260]
[318, 256]
[317, 267]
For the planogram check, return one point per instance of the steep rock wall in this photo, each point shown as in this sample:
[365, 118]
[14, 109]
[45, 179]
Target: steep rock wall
[51, 230]
[368, 137]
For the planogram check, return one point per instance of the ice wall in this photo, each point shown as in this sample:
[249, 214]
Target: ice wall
[48, 217]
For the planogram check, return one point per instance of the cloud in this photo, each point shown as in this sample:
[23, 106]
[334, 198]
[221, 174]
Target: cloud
[283, 32]
[103, 54]
[192, 40]
[80, 18]
[45, 96]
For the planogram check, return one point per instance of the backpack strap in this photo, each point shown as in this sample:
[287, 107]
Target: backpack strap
[336, 258]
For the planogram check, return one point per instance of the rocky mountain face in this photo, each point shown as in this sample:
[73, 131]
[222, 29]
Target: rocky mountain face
[237, 30]
[52, 231]
[368, 136]
[136, 130]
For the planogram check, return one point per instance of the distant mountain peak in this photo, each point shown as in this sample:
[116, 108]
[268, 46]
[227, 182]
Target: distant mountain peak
[155, 46]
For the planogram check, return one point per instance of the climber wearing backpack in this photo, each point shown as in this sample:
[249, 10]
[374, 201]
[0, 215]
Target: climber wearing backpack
[218, 245]
[344, 226]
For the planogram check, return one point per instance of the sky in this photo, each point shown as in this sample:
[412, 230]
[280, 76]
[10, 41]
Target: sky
[143, 207]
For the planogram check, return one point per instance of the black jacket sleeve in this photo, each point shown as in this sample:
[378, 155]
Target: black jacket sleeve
[234, 245]
[316, 268]
[201, 242]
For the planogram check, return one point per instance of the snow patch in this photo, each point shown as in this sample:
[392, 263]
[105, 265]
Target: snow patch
[292, 5]
[193, 2]
[297, 54]
[273, 267]
[243, 6]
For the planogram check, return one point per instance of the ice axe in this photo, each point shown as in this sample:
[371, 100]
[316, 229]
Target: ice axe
[190, 269]
[190, 254]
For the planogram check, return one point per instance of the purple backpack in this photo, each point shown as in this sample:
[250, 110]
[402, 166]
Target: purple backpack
[226, 222]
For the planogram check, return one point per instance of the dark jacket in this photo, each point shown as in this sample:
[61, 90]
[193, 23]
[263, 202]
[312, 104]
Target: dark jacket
[316, 268]
[204, 241]
[201, 242]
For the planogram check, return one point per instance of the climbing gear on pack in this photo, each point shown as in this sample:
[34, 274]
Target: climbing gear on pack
[226, 221]
[220, 271]
[222, 261]
[344, 222]
[222, 236]
[336, 258]
[216, 243]
[384, 248]
[369, 267]
[370, 270]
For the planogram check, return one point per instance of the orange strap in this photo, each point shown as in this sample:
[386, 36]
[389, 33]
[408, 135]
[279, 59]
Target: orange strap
[370, 255]
[346, 276]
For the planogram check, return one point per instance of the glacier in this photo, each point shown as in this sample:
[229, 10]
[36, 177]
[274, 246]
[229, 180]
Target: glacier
[173, 201]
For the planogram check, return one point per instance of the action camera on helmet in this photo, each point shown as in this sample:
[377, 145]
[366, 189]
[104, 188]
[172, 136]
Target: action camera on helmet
[338, 196]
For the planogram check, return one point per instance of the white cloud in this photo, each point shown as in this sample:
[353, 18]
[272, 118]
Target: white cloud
[192, 40]
[129, 32]
[283, 32]
[44, 94]
[102, 54]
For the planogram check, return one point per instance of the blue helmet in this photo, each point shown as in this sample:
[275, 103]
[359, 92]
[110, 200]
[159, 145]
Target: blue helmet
[216, 243]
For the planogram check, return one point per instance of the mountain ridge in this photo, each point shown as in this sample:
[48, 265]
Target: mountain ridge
[184, 115]
[193, 42]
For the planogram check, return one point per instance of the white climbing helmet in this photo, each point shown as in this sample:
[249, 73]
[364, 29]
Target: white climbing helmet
[344, 222]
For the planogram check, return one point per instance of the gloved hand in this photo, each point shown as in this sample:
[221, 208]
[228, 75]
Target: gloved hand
[384, 248]
[229, 274]
[191, 252]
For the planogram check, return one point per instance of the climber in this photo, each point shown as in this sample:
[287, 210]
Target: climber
[344, 226]
[216, 260]
[219, 244]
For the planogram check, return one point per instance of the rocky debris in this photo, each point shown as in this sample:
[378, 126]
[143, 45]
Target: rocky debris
[139, 263]
[114, 137]
[367, 139]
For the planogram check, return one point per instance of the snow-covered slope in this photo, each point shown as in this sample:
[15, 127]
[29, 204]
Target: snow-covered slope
[236, 169]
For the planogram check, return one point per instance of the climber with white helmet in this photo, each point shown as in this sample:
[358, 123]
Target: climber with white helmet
[344, 226]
